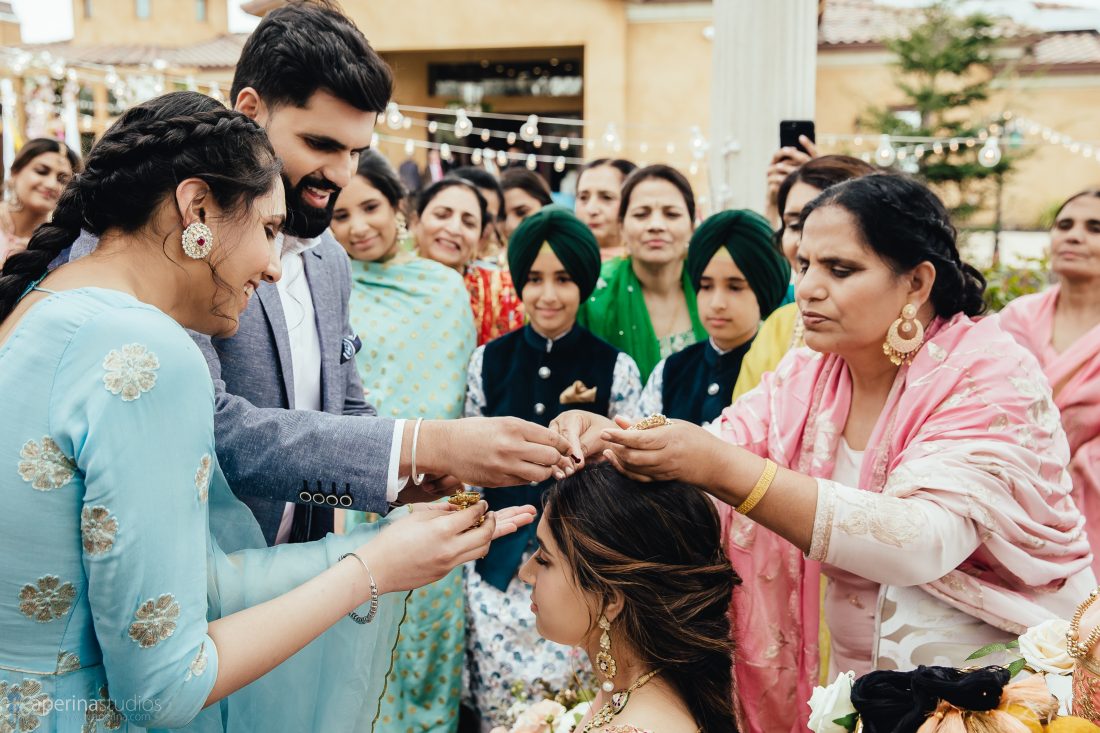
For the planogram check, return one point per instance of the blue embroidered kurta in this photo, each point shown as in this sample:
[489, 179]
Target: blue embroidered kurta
[112, 501]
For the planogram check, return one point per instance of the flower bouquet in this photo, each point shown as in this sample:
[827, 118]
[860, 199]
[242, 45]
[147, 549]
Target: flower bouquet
[539, 709]
[931, 699]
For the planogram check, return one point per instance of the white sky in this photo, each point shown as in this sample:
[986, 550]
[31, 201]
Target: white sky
[51, 20]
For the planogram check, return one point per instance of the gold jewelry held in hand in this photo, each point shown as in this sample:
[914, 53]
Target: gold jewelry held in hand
[1076, 648]
[762, 485]
[653, 421]
[465, 500]
[904, 337]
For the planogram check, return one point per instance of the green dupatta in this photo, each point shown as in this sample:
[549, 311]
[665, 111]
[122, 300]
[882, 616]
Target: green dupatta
[617, 313]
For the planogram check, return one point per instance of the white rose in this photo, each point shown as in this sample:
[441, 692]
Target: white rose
[567, 723]
[832, 703]
[1043, 647]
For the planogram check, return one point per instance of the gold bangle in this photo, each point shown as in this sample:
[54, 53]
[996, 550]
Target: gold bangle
[762, 485]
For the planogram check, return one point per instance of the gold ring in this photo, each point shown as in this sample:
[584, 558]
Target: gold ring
[653, 421]
[465, 500]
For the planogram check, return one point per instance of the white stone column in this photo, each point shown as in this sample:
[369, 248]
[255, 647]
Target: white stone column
[765, 59]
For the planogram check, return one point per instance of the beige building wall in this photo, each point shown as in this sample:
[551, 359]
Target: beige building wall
[850, 82]
[170, 22]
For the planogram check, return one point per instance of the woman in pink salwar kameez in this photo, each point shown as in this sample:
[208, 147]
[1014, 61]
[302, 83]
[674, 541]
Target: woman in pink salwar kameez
[1062, 328]
[924, 479]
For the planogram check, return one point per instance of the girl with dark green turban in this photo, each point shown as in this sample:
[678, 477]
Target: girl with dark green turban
[547, 367]
[740, 278]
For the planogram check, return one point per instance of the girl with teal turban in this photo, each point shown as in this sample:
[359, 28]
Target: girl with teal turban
[739, 278]
[547, 367]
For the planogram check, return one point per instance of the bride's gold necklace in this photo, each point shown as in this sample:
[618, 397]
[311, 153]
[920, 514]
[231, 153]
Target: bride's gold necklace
[618, 701]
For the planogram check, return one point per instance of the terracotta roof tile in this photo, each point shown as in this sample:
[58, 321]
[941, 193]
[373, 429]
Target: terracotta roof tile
[219, 53]
[1080, 47]
[866, 22]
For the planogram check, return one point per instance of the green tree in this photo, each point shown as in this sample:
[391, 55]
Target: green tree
[945, 66]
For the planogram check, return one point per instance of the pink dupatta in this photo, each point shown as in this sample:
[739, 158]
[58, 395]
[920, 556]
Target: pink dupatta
[968, 426]
[1075, 374]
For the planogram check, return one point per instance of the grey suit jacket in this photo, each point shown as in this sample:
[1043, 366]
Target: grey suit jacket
[271, 454]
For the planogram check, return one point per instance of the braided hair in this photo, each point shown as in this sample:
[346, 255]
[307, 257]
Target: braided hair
[138, 163]
[659, 547]
[903, 222]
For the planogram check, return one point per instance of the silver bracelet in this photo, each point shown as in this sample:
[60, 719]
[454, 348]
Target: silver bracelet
[373, 592]
[417, 479]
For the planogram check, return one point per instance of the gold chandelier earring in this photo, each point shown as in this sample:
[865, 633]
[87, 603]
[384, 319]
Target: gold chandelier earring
[604, 661]
[904, 337]
[402, 229]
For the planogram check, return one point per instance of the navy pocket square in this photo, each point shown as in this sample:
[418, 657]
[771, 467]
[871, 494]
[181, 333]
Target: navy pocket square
[349, 348]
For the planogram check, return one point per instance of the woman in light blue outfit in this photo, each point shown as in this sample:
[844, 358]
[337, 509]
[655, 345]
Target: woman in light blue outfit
[413, 318]
[127, 612]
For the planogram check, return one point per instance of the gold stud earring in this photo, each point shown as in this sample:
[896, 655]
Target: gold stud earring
[604, 661]
[904, 337]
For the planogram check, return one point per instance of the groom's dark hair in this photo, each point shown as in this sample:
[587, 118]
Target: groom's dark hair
[310, 45]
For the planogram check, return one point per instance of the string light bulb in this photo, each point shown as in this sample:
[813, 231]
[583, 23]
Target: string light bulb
[990, 154]
[532, 162]
[463, 126]
[433, 126]
[885, 155]
[486, 133]
[394, 118]
[563, 143]
[511, 138]
[410, 146]
[530, 129]
[559, 163]
[610, 135]
[445, 151]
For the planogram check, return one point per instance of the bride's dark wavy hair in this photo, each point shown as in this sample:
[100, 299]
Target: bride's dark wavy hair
[136, 165]
[659, 546]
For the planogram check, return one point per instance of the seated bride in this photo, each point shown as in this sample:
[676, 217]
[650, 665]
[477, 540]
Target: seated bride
[636, 576]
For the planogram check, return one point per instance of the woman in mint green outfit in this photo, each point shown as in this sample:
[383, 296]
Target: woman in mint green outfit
[413, 318]
[128, 613]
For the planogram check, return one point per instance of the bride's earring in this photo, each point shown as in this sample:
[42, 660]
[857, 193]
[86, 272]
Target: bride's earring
[904, 337]
[402, 229]
[197, 239]
[604, 661]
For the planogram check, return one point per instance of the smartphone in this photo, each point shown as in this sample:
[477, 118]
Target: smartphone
[791, 130]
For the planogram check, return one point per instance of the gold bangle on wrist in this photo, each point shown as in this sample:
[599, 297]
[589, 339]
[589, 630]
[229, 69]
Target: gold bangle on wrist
[762, 485]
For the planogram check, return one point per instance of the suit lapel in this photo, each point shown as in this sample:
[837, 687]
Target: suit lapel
[268, 294]
[326, 313]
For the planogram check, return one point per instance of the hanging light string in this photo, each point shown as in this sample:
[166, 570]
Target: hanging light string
[131, 87]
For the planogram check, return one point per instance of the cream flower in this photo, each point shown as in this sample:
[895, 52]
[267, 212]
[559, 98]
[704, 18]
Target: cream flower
[48, 600]
[1043, 647]
[45, 466]
[98, 529]
[131, 371]
[67, 662]
[156, 621]
[539, 718]
[22, 706]
[832, 703]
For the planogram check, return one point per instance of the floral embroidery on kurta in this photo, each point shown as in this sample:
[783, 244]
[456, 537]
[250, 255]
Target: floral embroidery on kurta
[202, 478]
[44, 466]
[47, 600]
[131, 371]
[22, 706]
[156, 621]
[98, 529]
[102, 711]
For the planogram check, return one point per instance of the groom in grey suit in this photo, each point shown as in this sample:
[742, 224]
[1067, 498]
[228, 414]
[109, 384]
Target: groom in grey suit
[294, 436]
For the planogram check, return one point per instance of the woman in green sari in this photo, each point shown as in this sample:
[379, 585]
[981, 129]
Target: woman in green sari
[413, 318]
[644, 303]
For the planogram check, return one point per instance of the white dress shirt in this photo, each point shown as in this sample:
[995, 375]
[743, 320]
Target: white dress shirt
[305, 357]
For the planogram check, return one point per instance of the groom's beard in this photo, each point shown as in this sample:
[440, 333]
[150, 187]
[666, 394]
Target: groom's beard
[302, 220]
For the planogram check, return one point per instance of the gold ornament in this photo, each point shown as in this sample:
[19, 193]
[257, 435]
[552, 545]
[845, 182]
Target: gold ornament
[653, 421]
[604, 661]
[904, 337]
[465, 500]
